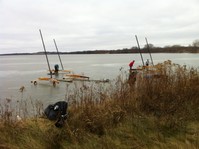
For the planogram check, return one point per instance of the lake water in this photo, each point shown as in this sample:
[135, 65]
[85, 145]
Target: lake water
[17, 71]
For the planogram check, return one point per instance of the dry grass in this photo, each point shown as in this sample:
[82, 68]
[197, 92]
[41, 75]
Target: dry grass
[158, 112]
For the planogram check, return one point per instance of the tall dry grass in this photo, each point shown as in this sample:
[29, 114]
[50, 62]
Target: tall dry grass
[155, 112]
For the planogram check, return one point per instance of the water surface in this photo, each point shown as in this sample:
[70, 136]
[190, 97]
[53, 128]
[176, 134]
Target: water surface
[17, 71]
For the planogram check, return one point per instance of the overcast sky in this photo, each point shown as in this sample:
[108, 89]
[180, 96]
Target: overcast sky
[79, 25]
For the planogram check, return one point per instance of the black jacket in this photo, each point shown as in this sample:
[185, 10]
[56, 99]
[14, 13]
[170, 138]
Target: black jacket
[57, 110]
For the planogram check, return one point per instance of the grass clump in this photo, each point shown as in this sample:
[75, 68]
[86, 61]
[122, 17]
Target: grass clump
[157, 112]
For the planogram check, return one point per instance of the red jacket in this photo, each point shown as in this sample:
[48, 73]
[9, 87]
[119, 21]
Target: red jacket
[131, 64]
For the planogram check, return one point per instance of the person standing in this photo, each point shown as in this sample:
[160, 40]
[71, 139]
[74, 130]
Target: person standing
[147, 62]
[131, 64]
[56, 68]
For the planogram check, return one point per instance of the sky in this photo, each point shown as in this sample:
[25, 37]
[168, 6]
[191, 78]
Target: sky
[79, 25]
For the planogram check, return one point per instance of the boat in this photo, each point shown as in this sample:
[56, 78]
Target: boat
[75, 77]
[49, 79]
[145, 71]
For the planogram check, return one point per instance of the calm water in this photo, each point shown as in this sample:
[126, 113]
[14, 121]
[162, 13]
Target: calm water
[17, 71]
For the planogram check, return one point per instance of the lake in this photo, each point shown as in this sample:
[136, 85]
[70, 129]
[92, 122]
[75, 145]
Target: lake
[17, 71]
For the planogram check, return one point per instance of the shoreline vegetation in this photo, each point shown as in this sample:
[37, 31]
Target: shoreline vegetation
[172, 49]
[152, 113]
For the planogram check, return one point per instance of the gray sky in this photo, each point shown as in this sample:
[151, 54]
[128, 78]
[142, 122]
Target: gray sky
[79, 25]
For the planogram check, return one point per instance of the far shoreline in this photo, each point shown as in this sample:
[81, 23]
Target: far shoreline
[120, 51]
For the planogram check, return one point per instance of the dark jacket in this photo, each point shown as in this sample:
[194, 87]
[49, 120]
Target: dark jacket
[57, 110]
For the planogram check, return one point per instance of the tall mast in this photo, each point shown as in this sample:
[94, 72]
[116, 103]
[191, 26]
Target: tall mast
[149, 50]
[139, 49]
[58, 54]
[45, 53]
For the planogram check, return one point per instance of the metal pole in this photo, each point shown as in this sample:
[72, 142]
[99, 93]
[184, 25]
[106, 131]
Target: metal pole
[139, 49]
[58, 54]
[149, 50]
[45, 53]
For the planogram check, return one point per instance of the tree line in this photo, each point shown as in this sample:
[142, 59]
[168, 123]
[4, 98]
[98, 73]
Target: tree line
[193, 48]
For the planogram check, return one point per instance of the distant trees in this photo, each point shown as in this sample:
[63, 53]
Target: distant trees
[195, 43]
[176, 46]
[134, 47]
[150, 46]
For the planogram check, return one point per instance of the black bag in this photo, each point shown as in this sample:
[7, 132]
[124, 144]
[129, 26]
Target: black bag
[51, 113]
[59, 109]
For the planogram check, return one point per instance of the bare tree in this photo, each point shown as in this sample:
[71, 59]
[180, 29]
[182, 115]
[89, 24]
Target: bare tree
[196, 43]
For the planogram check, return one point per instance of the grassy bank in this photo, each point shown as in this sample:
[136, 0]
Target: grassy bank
[158, 112]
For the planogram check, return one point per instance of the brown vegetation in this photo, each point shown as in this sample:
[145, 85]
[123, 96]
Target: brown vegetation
[154, 113]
